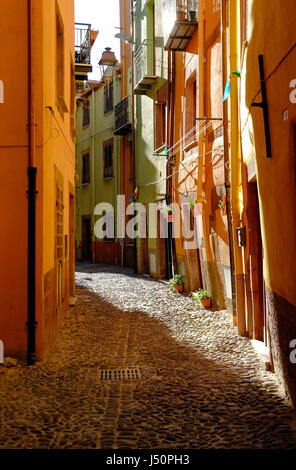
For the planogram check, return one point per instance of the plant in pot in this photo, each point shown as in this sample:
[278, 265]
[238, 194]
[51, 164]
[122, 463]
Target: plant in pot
[168, 213]
[191, 203]
[177, 283]
[193, 10]
[203, 296]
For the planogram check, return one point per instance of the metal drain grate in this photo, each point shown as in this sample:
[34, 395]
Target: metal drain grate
[128, 373]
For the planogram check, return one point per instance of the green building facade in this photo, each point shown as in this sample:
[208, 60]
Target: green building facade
[150, 107]
[97, 169]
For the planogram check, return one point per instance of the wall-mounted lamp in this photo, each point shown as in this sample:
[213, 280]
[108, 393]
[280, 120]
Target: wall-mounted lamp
[125, 37]
[108, 59]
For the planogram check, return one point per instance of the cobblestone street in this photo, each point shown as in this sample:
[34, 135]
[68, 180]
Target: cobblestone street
[196, 383]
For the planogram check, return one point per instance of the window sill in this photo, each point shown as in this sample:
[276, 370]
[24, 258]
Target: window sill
[106, 178]
[85, 184]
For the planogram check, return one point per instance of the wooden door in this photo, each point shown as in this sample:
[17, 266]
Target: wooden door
[256, 266]
[59, 245]
[71, 245]
[144, 249]
[86, 238]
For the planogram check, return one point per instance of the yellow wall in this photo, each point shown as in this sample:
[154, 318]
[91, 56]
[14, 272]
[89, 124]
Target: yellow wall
[275, 176]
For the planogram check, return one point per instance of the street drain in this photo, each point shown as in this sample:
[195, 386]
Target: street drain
[128, 373]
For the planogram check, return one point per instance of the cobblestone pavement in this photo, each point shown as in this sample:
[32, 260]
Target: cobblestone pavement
[199, 385]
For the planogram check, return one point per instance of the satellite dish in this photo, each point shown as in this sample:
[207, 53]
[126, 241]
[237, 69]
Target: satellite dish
[125, 37]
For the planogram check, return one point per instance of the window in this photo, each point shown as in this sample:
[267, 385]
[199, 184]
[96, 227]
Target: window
[60, 63]
[108, 98]
[160, 118]
[160, 110]
[85, 112]
[72, 101]
[190, 115]
[85, 168]
[108, 158]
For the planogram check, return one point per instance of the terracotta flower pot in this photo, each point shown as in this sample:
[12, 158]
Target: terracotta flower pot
[192, 16]
[179, 288]
[206, 302]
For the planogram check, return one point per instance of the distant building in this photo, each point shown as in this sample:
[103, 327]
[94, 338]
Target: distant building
[97, 168]
[150, 88]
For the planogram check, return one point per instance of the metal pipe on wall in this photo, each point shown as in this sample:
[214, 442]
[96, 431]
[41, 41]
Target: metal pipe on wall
[226, 155]
[133, 126]
[32, 172]
[236, 174]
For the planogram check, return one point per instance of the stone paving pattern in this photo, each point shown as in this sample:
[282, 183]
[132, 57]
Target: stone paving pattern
[201, 385]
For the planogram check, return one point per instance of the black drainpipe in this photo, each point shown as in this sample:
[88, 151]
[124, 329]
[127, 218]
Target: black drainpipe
[133, 15]
[32, 170]
[31, 323]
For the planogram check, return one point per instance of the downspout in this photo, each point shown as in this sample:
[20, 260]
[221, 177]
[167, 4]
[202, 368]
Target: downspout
[236, 176]
[172, 108]
[226, 157]
[93, 172]
[32, 171]
[201, 139]
[167, 191]
[201, 100]
[133, 126]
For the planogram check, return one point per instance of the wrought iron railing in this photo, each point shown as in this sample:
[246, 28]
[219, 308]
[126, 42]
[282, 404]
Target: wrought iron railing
[82, 43]
[149, 60]
[186, 10]
[123, 116]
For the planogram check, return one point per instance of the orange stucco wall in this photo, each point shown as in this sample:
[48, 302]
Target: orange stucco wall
[51, 149]
[185, 184]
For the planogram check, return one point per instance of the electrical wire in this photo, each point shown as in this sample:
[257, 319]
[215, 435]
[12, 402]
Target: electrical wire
[178, 171]
[65, 138]
[50, 136]
[185, 143]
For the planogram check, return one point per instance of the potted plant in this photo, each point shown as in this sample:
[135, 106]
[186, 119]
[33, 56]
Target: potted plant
[191, 203]
[192, 10]
[222, 205]
[168, 212]
[177, 283]
[203, 296]
[192, 15]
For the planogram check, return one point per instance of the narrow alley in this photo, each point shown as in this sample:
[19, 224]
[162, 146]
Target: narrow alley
[192, 383]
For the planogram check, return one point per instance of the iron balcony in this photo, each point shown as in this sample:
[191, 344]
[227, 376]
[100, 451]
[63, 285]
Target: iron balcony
[82, 51]
[181, 21]
[123, 117]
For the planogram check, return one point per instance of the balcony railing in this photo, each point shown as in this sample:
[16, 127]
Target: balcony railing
[123, 117]
[150, 64]
[82, 50]
[181, 21]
